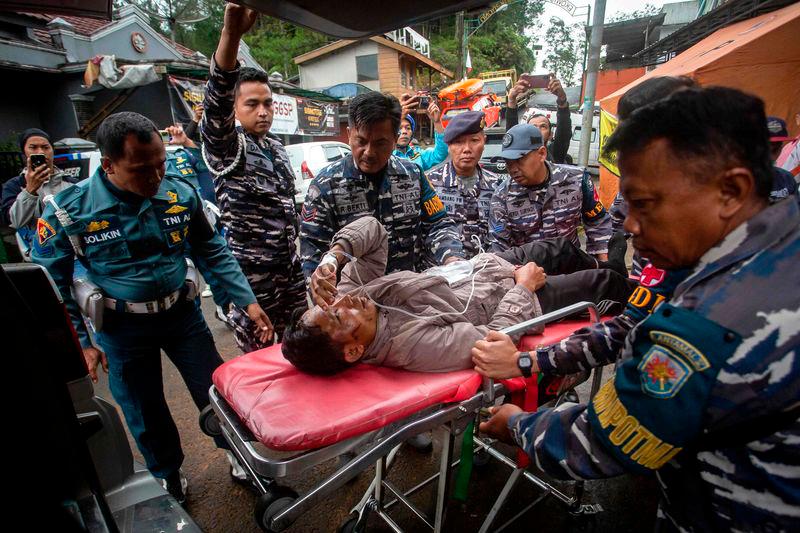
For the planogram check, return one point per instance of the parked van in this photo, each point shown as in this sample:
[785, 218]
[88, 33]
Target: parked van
[575, 141]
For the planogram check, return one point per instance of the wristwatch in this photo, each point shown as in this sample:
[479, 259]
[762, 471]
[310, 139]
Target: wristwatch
[525, 363]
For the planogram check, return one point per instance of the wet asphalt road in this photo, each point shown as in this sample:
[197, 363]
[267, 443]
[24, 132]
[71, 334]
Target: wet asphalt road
[219, 505]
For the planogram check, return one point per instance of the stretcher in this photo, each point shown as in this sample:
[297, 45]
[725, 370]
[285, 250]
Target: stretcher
[280, 422]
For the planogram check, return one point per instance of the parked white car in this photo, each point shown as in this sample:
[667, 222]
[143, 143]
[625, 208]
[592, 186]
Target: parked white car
[308, 159]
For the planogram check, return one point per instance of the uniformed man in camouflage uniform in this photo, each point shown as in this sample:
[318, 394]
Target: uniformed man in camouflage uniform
[253, 179]
[464, 187]
[374, 182]
[541, 200]
[706, 393]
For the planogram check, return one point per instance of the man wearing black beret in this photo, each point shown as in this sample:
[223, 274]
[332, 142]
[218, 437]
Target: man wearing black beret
[463, 186]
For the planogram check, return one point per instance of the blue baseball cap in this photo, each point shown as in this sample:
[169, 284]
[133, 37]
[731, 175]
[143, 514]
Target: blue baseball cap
[521, 140]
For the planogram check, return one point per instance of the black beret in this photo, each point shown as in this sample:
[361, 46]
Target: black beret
[467, 122]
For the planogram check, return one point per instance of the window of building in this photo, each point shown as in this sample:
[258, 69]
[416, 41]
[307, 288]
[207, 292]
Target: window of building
[403, 75]
[367, 67]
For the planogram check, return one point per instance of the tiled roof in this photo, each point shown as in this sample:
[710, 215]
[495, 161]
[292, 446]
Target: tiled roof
[87, 26]
[82, 25]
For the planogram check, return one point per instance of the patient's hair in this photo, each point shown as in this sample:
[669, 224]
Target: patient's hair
[312, 350]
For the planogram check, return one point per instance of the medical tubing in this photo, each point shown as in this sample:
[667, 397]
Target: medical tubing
[403, 311]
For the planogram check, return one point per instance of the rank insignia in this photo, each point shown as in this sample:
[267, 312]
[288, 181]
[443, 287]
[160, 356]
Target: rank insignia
[175, 209]
[173, 197]
[97, 225]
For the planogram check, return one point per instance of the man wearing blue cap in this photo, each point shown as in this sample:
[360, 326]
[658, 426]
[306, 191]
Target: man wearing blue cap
[463, 186]
[541, 200]
[429, 157]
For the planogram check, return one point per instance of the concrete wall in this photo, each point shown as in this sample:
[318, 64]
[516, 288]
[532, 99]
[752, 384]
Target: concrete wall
[118, 43]
[337, 67]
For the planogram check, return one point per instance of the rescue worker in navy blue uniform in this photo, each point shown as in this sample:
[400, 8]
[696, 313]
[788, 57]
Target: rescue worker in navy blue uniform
[376, 183]
[705, 394]
[187, 162]
[129, 224]
[254, 182]
[464, 187]
[540, 200]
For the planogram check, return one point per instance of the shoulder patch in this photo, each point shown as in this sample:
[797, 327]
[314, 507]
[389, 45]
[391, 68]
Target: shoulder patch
[663, 373]
[44, 231]
[313, 193]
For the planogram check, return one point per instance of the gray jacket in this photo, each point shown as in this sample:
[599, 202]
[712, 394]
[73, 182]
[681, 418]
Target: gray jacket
[438, 343]
[27, 208]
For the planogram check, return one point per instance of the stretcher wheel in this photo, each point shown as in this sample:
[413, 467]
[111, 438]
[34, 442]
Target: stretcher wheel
[355, 523]
[270, 504]
[209, 423]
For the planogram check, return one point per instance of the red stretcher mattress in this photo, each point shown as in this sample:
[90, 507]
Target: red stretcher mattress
[288, 410]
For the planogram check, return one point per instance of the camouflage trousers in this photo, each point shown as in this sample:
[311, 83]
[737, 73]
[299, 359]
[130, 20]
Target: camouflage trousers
[279, 291]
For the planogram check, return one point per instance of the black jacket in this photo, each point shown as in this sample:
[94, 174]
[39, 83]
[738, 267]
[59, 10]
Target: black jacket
[558, 147]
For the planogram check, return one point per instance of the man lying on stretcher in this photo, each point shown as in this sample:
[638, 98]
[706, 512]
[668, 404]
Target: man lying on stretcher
[425, 321]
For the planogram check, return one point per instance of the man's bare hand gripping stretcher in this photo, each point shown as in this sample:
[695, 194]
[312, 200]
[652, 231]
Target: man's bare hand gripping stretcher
[428, 321]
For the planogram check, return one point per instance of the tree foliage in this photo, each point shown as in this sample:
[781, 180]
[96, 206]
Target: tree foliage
[564, 50]
[648, 10]
[499, 43]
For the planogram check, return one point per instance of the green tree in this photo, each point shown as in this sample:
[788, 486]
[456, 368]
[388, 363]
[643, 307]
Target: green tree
[500, 43]
[564, 48]
[648, 10]
[275, 44]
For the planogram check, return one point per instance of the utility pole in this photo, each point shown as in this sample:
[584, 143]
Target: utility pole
[460, 33]
[591, 81]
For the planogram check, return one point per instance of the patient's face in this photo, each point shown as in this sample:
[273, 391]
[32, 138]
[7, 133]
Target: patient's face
[349, 320]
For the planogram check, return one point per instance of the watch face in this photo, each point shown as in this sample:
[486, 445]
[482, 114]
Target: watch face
[524, 363]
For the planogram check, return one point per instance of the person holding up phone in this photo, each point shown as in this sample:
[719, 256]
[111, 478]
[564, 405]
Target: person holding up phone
[430, 157]
[558, 145]
[23, 196]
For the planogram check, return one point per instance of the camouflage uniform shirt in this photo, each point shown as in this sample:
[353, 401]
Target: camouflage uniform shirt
[257, 197]
[466, 201]
[400, 197]
[706, 393]
[567, 199]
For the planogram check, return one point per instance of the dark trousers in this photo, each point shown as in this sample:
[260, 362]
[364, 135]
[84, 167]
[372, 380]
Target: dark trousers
[607, 289]
[279, 291]
[133, 344]
[555, 256]
[573, 276]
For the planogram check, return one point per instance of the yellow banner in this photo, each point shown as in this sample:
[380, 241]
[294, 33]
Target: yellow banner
[608, 123]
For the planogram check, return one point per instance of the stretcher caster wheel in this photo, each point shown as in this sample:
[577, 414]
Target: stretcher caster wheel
[209, 423]
[480, 459]
[270, 504]
[355, 523]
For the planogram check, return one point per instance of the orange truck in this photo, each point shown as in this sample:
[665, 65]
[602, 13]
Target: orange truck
[469, 95]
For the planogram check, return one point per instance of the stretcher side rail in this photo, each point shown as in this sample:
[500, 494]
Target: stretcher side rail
[522, 327]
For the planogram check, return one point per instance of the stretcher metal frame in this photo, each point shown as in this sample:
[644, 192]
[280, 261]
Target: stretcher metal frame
[378, 447]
